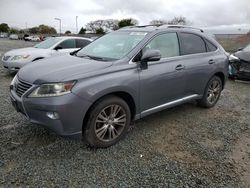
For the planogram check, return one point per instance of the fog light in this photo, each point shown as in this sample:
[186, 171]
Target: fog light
[52, 115]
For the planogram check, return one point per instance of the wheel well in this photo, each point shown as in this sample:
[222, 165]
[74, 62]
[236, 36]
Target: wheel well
[38, 58]
[123, 95]
[222, 77]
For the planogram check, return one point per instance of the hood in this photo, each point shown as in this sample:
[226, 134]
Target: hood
[59, 68]
[25, 51]
[245, 56]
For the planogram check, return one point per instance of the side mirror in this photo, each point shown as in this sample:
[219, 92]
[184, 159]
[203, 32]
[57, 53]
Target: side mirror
[150, 55]
[58, 48]
[240, 49]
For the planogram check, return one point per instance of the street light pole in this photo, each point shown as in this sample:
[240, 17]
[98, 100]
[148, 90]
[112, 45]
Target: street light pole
[60, 25]
[76, 25]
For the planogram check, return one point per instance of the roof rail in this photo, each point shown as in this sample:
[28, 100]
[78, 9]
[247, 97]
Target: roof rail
[166, 25]
[140, 26]
[182, 26]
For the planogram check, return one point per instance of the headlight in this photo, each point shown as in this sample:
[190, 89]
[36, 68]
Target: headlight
[17, 57]
[53, 90]
[233, 58]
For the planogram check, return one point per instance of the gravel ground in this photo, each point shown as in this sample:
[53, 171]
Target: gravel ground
[184, 146]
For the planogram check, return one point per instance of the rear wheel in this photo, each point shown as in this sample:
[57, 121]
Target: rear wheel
[212, 93]
[108, 122]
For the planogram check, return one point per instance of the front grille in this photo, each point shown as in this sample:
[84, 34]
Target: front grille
[5, 58]
[21, 87]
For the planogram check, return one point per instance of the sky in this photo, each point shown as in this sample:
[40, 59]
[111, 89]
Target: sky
[202, 13]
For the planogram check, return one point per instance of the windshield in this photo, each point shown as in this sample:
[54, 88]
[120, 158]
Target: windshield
[247, 49]
[48, 43]
[113, 46]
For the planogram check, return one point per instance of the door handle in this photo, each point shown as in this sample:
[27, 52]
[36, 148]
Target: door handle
[211, 61]
[179, 67]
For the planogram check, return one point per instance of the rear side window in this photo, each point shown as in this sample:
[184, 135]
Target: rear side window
[80, 43]
[210, 47]
[167, 44]
[191, 44]
[69, 43]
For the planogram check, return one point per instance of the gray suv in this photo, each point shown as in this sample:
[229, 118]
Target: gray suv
[123, 76]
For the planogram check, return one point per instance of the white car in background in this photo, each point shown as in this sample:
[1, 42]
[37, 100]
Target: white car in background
[33, 38]
[15, 59]
[13, 37]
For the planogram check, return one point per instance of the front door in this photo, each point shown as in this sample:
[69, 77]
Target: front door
[66, 46]
[164, 81]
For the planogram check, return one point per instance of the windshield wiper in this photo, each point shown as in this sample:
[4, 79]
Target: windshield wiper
[94, 57]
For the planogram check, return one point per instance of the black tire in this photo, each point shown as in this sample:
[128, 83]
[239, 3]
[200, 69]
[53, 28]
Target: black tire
[206, 101]
[97, 122]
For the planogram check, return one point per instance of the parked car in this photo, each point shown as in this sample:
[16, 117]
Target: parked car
[239, 66]
[13, 37]
[15, 59]
[3, 35]
[33, 38]
[123, 76]
[25, 36]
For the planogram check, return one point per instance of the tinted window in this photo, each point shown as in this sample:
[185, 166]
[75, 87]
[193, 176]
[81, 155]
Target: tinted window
[69, 43]
[80, 43]
[166, 43]
[210, 47]
[191, 44]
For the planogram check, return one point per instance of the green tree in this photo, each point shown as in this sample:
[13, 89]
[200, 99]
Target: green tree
[100, 31]
[82, 31]
[21, 31]
[127, 22]
[4, 28]
[67, 32]
[42, 29]
[34, 30]
[14, 31]
[45, 29]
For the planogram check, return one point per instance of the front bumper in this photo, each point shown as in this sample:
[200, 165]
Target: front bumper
[13, 66]
[244, 75]
[71, 110]
[240, 70]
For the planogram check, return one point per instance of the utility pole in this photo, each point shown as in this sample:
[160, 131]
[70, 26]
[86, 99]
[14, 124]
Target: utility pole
[60, 25]
[76, 25]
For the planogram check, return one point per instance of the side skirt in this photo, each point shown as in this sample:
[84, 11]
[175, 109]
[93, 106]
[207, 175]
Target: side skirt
[169, 105]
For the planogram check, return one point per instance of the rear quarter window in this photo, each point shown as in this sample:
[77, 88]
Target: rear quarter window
[191, 44]
[210, 46]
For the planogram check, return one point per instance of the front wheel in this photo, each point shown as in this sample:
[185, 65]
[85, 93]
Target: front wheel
[212, 93]
[108, 122]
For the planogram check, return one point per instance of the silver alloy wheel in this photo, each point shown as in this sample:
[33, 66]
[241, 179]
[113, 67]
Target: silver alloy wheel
[110, 123]
[213, 92]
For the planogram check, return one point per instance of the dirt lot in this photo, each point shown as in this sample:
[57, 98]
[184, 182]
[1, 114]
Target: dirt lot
[184, 146]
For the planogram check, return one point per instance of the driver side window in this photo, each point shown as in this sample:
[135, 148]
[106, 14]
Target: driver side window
[167, 44]
[69, 43]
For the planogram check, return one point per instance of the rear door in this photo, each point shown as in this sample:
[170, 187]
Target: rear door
[199, 59]
[164, 80]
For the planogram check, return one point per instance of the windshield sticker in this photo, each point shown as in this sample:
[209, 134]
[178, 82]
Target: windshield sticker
[138, 33]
